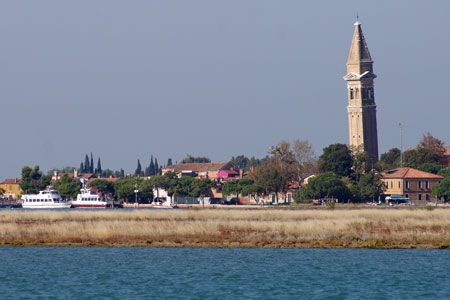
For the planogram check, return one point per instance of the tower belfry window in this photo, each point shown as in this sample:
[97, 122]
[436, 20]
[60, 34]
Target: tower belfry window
[351, 94]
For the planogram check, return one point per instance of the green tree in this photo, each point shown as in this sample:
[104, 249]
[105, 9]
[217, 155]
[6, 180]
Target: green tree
[269, 178]
[138, 169]
[191, 159]
[389, 160]
[336, 158]
[444, 172]
[240, 162]
[362, 163]
[442, 189]
[124, 189]
[202, 187]
[168, 182]
[99, 166]
[91, 165]
[33, 181]
[235, 186]
[104, 186]
[68, 188]
[169, 162]
[433, 168]
[184, 186]
[44, 181]
[416, 158]
[369, 187]
[87, 166]
[156, 167]
[151, 167]
[324, 185]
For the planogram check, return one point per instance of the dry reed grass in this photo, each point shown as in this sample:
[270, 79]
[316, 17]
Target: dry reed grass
[374, 228]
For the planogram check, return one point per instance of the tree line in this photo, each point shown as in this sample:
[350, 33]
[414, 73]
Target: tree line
[340, 173]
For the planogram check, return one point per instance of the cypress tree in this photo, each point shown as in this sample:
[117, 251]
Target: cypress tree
[81, 168]
[99, 166]
[156, 166]
[122, 173]
[138, 169]
[86, 164]
[169, 162]
[92, 164]
[152, 167]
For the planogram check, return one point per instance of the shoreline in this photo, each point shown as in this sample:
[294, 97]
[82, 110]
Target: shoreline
[399, 228]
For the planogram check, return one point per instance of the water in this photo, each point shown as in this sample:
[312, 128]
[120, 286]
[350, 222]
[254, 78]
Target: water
[169, 273]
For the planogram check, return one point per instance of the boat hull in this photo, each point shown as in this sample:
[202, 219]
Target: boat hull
[90, 205]
[164, 206]
[47, 206]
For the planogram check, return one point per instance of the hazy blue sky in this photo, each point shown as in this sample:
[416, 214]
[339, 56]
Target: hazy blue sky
[126, 79]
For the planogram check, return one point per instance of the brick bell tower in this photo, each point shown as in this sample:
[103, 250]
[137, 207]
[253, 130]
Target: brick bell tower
[362, 110]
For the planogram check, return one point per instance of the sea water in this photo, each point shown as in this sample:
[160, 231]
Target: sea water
[193, 273]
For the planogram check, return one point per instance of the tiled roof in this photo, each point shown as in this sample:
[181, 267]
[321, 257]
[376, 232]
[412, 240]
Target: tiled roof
[408, 173]
[11, 181]
[200, 167]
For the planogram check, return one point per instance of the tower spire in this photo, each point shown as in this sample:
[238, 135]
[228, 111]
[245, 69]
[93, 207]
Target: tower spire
[359, 52]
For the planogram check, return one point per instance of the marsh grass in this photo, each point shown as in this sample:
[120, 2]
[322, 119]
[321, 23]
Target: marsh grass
[372, 228]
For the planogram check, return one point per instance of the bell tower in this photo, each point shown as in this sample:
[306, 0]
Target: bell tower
[362, 110]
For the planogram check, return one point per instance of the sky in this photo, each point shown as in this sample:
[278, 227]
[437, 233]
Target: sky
[129, 79]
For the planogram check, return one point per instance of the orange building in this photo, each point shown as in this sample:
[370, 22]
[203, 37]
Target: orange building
[11, 188]
[410, 183]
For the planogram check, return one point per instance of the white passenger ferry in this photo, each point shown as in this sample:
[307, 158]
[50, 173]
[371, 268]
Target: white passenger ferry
[48, 198]
[92, 198]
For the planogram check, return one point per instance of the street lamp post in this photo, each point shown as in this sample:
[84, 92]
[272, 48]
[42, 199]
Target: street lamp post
[136, 191]
[401, 144]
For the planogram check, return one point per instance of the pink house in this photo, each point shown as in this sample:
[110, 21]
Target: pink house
[225, 174]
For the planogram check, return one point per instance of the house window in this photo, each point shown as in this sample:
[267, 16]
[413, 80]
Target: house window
[427, 197]
[10, 187]
[352, 96]
[399, 184]
[420, 196]
[407, 196]
[392, 184]
[407, 184]
[420, 184]
[427, 184]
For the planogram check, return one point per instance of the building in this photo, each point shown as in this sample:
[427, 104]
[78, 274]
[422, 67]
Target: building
[201, 170]
[361, 109]
[410, 183]
[11, 188]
